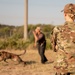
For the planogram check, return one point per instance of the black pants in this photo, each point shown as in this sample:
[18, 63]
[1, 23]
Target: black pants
[41, 51]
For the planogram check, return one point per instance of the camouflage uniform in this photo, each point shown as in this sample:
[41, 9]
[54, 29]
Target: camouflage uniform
[64, 44]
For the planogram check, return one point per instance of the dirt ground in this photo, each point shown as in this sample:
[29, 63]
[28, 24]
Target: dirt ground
[33, 66]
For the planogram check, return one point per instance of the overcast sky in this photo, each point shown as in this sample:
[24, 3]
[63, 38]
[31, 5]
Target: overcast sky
[40, 11]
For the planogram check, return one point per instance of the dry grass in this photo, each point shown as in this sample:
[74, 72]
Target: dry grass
[33, 66]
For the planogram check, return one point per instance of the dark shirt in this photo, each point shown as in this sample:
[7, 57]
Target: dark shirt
[41, 38]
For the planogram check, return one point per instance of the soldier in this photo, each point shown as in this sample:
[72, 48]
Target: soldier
[63, 43]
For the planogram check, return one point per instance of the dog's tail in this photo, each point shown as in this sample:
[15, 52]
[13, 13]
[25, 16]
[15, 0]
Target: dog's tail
[22, 53]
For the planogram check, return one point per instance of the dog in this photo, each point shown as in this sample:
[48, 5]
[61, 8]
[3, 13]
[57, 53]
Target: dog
[6, 55]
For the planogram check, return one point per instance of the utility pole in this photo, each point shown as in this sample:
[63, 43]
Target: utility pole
[26, 21]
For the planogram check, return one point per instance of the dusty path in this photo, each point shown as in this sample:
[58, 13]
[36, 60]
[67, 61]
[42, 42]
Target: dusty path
[33, 67]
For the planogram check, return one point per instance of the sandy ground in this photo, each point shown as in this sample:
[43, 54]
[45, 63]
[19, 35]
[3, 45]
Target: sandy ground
[33, 66]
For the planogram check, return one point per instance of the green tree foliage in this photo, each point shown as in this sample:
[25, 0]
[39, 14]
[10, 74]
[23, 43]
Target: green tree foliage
[11, 37]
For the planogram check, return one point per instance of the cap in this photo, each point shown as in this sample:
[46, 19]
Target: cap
[69, 8]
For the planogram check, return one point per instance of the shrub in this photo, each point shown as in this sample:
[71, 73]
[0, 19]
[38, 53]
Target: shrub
[12, 43]
[48, 44]
[21, 44]
[3, 44]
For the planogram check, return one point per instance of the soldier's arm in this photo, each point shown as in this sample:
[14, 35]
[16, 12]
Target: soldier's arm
[54, 40]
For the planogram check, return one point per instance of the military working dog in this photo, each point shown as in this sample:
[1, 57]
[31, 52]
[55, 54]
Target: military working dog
[7, 55]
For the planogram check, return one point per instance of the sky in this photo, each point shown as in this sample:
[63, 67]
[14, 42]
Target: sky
[39, 11]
